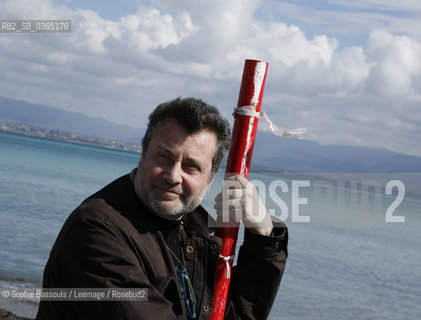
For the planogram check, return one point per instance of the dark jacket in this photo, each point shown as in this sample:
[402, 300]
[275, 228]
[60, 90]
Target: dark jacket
[112, 240]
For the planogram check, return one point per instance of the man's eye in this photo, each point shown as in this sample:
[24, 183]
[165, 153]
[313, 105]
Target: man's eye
[190, 166]
[162, 157]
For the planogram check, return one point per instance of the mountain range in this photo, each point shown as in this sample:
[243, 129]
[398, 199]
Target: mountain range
[269, 152]
[47, 117]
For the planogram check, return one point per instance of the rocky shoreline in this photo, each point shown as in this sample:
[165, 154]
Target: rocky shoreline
[6, 315]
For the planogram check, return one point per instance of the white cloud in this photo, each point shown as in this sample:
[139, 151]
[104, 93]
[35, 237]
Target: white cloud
[91, 31]
[351, 21]
[397, 64]
[26, 9]
[150, 29]
[120, 70]
[402, 5]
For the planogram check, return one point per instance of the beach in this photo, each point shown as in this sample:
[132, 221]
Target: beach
[6, 315]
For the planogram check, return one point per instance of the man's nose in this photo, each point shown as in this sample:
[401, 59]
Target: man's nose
[173, 173]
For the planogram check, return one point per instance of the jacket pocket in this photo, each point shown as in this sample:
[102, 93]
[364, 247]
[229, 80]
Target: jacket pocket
[167, 286]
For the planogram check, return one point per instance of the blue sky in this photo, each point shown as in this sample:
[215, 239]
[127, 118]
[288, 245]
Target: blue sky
[349, 71]
[115, 9]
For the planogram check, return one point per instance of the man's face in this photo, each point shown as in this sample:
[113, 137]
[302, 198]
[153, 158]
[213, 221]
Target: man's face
[173, 174]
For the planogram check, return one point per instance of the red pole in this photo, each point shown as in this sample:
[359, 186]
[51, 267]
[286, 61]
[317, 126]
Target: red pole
[239, 160]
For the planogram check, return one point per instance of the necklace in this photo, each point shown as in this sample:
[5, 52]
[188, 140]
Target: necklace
[185, 284]
[173, 240]
[182, 265]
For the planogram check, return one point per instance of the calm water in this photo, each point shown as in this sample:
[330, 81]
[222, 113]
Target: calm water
[339, 266]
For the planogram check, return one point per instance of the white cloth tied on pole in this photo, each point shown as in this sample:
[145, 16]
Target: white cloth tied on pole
[250, 112]
[227, 265]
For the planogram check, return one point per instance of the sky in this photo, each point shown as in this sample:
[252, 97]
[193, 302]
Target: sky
[347, 70]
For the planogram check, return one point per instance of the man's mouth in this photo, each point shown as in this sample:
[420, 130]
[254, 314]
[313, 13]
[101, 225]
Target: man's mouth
[167, 194]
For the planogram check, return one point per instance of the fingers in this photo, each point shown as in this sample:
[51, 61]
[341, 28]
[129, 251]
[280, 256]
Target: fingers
[221, 205]
[228, 202]
[238, 178]
[239, 200]
[229, 194]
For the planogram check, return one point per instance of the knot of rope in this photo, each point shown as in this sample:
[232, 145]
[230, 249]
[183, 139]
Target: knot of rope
[249, 111]
[227, 265]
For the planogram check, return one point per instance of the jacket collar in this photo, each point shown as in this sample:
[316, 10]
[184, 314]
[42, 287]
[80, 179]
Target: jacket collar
[200, 221]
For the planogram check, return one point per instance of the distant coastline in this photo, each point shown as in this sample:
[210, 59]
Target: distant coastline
[69, 137]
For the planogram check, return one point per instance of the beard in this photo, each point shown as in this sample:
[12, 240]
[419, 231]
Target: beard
[171, 209]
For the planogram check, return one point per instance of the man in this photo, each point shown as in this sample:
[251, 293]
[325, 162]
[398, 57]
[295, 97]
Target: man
[148, 230]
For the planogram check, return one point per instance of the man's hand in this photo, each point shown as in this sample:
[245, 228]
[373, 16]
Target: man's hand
[239, 200]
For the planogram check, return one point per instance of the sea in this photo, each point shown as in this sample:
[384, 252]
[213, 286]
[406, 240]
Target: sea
[354, 239]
